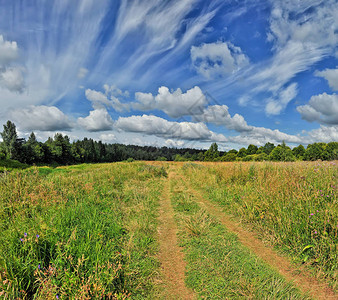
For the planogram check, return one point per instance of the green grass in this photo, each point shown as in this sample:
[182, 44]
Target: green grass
[90, 231]
[218, 266]
[293, 206]
[79, 231]
[10, 164]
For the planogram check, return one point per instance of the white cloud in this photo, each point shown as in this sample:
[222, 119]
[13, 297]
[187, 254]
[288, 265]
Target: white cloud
[322, 108]
[174, 144]
[217, 59]
[219, 115]
[304, 21]
[331, 75]
[12, 79]
[152, 125]
[98, 99]
[44, 118]
[8, 51]
[98, 120]
[82, 73]
[107, 137]
[302, 33]
[51, 64]
[277, 105]
[108, 99]
[325, 134]
[175, 104]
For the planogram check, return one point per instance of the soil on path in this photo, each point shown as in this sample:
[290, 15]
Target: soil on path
[170, 254]
[298, 275]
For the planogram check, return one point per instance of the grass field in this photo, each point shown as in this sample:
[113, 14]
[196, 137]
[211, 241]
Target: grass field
[94, 231]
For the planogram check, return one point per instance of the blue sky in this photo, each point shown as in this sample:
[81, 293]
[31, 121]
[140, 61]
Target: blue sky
[171, 73]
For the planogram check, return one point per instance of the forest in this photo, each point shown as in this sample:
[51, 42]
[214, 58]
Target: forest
[60, 150]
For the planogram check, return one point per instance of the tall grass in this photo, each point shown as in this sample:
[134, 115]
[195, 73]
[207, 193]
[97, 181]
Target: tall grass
[79, 232]
[291, 205]
[218, 265]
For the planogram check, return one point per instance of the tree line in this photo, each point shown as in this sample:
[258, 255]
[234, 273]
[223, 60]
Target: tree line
[59, 150]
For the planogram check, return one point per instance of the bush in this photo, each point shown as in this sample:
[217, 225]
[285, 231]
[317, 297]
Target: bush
[161, 158]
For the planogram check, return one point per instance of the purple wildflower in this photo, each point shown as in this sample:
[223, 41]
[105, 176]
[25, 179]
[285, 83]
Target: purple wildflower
[25, 234]
[21, 240]
[39, 266]
[37, 236]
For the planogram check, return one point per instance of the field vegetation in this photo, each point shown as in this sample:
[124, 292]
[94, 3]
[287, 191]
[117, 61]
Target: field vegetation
[90, 231]
[292, 206]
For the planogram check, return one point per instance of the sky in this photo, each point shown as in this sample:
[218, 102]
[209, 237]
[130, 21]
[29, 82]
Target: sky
[178, 73]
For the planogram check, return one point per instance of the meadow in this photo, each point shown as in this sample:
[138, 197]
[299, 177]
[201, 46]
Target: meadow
[91, 231]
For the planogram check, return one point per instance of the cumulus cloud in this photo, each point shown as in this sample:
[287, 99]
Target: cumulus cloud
[217, 59]
[324, 134]
[157, 126]
[331, 75]
[43, 118]
[8, 51]
[11, 77]
[108, 98]
[322, 108]
[107, 137]
[98, 120]
[174, 144]
[219, 115]
[175, 104]
[277, 105]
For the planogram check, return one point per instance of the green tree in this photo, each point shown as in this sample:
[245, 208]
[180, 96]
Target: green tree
[331, 151]
[230, 156]
[282, 153]
[299, 152]
[242, 153]
[252, 149]
[10, 140]
[212, 154]
[268, 147]
[315, 151]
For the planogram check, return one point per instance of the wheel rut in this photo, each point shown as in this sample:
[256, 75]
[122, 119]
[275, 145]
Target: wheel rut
[170, 254]
[299, 276]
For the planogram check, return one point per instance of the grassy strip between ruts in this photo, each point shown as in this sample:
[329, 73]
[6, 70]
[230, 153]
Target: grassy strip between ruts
[79, 232]
[293, 206]
[218, 266]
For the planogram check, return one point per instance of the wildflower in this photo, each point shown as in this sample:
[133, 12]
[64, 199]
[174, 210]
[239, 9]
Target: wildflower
[39, 266]
[25, 234]
[311, 214]
[21, 240]
[315, 232]
[57, 296]
[37, 236]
